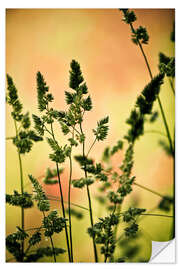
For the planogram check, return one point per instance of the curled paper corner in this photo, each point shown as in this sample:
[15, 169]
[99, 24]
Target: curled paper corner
[163, 252]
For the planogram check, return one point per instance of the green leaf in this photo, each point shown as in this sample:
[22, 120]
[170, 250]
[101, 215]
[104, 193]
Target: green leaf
[136, 122]
[131, 230]
[131, 213]
[13, 246]
[26, 121]
[53, 144]
[34, 137]
[83, 160]
[76, 77]
[115, 197]
[165, 203]
[65, 129]
[69, 97]
[49, 252]
[140, 34]
[102, 129]
[73, 142]
[58, 156]
[40, 197]
[104, 121]
[87, 104]
[23, 200]
[42, 90]
[24, 145]
[129, 16]
[35, 238]
[13, 100]
[163, 59]
[117, 147]
[80, 183]
[53, 223]
[106, 154]
[20, 234]
[39, 125]
[83, 88]
[149, 94]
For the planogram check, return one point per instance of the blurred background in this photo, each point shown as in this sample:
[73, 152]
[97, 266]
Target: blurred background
[46, 40]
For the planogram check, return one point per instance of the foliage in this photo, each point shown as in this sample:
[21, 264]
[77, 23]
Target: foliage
[167, 65]
[25, 138]
[23, 200]
[114, 184]
[39, 195]
[53, 224]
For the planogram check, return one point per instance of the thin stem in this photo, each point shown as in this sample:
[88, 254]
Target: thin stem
[150, 190]
[54, 254]
[116, 227]
[89, 200]
[91, 220]
[22, 191]
[77, 205]
[69, 203]
[62, 200]
[172, 86]
[91, 147]
[32, 229]
[156, 215]
[48, 131]
[158, 98]
[148, 212]
[76, 131]
[156, 131]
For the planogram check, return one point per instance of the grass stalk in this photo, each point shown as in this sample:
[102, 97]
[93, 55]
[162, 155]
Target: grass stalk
[22, 191]
[89, 201]
[62, 200]
[150, 190]
[172, 86]
[69, 207]
[158, 98]
[156, 132]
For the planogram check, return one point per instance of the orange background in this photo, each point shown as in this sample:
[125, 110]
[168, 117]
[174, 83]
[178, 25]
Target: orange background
[46, 40]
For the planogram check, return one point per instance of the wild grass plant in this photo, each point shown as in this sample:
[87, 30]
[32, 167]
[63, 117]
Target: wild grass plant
[118, 228]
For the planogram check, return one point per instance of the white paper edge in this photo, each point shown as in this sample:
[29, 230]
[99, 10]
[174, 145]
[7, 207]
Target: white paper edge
[163, 252]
